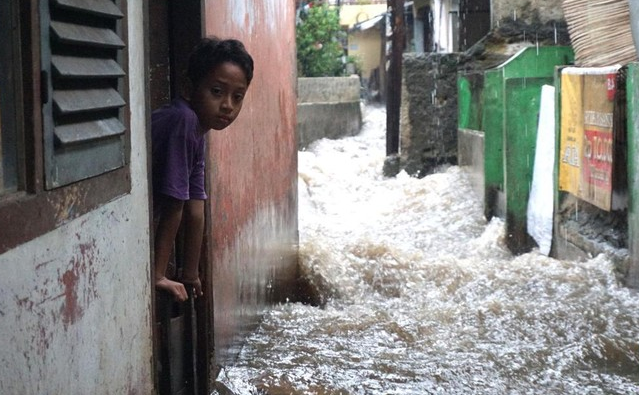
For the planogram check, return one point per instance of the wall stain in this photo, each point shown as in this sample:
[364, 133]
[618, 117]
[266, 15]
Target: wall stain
[71, 310]
[75, 289]
[79, 284]
[42, 264]
[66, 208]
[41, 334]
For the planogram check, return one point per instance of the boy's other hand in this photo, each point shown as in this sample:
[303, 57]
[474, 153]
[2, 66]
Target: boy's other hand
[195, 284]
[173, 287]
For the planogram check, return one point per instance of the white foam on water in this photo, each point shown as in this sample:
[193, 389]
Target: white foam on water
[424, 297]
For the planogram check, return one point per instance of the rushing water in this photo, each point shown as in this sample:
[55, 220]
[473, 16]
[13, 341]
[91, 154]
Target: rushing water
[424, 298]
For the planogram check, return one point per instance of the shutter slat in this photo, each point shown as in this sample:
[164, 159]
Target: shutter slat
[97, 7]
[81, 161]
[87, 131]
[70, 33]
[75, 101]
[83, 56]
[76, 67]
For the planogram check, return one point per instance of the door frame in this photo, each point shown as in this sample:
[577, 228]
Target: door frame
[172, 28]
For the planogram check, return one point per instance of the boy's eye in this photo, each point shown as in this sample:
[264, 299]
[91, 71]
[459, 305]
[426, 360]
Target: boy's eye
[239, 97]
[216, 91]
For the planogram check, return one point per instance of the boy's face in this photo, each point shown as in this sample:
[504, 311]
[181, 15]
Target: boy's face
[217, 99]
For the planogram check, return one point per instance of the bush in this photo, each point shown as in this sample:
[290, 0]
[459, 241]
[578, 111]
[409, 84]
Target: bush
[319, 50]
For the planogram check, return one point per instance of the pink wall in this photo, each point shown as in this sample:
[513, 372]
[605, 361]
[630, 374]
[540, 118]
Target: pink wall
[253, 173]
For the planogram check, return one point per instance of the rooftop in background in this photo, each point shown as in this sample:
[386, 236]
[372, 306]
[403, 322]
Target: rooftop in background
[352, 14]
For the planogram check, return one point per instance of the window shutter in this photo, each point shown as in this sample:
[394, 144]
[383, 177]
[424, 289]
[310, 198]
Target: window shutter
[83, 89]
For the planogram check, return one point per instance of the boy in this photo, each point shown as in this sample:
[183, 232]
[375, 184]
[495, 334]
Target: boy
[218, 75]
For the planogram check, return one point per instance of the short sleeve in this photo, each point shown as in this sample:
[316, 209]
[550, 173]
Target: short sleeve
[197, 183]
[178, 153]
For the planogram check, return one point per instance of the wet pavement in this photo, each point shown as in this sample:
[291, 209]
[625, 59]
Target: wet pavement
[422, 296]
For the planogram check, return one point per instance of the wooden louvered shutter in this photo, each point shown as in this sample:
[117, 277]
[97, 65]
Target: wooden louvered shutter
[83, 89]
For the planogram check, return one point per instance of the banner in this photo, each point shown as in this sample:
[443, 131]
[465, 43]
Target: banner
[586, 145]
[540, 201]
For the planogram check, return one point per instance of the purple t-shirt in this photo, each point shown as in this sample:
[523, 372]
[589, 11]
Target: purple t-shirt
[178, 152]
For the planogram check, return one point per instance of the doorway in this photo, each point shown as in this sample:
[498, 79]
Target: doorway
[475, 22]
[180, 329]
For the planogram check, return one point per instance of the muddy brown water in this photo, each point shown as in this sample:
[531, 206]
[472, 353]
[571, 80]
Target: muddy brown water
[422, 296]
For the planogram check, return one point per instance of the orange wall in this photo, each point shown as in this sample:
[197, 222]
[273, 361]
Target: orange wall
[253, 173]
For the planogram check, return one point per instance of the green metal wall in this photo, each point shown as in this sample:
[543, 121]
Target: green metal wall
[493, 127]
[632, 84]
[509, 108]
[469, 92]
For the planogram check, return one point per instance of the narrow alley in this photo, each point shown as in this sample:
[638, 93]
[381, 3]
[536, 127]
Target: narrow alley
[419, 295]
[375, 221]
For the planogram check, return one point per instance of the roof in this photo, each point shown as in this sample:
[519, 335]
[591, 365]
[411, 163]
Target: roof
[369, 23]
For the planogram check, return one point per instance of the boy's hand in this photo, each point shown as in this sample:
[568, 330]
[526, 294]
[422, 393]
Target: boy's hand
[194, 284]
[173, 287]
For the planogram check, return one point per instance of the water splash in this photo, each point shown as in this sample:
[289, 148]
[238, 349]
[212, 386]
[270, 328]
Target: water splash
[424, 297]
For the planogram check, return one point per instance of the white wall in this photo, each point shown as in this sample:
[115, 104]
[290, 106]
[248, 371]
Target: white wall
[443, 25]
[75, 303]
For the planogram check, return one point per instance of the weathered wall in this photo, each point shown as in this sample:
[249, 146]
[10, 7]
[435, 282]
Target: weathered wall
[327, 89]
[327, 107]
[253, 174]
[471, 158]
[366, 45]
[75, 303]
[527, 10]
[428, 124]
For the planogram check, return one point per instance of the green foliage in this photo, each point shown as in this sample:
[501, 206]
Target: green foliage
[319, 51]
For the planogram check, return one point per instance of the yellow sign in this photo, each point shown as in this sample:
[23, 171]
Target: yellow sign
[571, 131]
[586, 149]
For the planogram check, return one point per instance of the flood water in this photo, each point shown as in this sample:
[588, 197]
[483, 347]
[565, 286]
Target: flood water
[424, 298]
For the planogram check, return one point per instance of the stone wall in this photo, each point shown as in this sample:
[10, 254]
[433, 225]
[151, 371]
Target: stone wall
[327, 107]
[529, 11]
[428, 119]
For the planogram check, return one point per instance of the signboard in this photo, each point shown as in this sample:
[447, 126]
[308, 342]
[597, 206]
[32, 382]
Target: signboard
[586, 147]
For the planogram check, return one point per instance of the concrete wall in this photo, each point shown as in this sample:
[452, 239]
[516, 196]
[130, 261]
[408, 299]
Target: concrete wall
[327, 107]
[253, 175]
[470, 156]
[75, 303]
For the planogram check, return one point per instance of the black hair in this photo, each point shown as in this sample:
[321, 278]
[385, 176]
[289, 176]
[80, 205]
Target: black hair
[211, 52]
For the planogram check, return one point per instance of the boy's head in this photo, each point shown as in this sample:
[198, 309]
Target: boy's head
[218, 75]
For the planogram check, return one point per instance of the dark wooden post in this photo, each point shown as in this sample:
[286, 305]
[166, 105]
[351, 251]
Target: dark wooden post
[394, 80]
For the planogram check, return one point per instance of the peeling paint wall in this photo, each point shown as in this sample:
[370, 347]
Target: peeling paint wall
[253, 173]
[75, 304]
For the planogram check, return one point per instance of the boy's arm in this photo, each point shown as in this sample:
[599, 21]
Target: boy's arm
[164, 240]
[194, 231]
